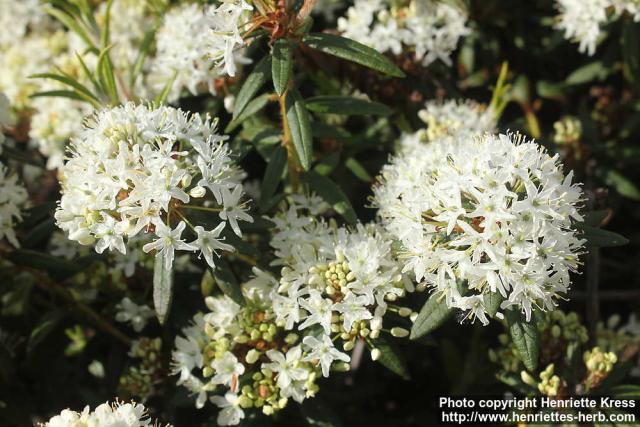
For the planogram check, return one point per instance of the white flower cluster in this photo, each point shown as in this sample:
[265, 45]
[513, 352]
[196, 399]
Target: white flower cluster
[22, 17]
[118, 414]
[136, 168]
[337, 280]
[13, 199]
[494, 211]
[452, 116]
[193, 59]
[582, 20]
[431, 29]
[242, 349]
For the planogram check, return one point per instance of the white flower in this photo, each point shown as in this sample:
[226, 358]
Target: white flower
[430, 29]
[227, 369]
[581, 21]
[118, 414]
[13, 200]
[494, 211]
[131, 165]
[137, 315]
[184, 52]
[319, 310]
[168, 242]
[286, 366]
[224, 33]
[234, 211]
[231, 413]
[324, 351]
[209, 241]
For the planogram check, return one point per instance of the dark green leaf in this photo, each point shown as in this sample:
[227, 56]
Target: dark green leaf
[391, 358]
[281, 65]
[599, 238]
[351, 50]
[432, 315]
[71, 23]
[492, 302]
[300, 127]
[104, 69]
[273, 174]
[596, 218]
[226, 281]
[346, 105]
[252, 85]
[42, 331]
[162, 287]
[252, 108]
[328, 163]
[58, 268]
[143, 53]
[525, 337]
[332, 194]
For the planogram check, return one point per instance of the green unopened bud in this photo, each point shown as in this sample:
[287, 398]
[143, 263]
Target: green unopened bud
[556, 331]
[528, 379]
[241, 339]
[404, 311]
[374, 334]
[291, 338]
[252, 356]
[348, 346]
[245, 402]
[207, 371]
[267, 410]
[399, 332]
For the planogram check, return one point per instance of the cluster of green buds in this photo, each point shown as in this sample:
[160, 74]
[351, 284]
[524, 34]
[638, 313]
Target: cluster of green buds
[598, 364]
[568, 131]
[549, 384]
[335, 279]
[612, 336]
[256, 334]
[140, 379]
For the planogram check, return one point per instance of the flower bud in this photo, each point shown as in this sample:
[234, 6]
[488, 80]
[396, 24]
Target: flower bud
[399, 332]
[197, 192]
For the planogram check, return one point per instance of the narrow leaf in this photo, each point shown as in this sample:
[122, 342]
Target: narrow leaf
[69, 81]
[254, 106]
[599, 238]
[432, 315]
[391, 358]
[358, 170]
[162, 96]
[300, 127]
[346, 105]
[162, 287]
[71, 23]
[227, 282]
[353, 51]
[281, 65]
[525, 337]
[71, 94]
[332, 194]
[143, 53]
[252, 85]
[273, 174]
[104, 70]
